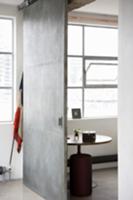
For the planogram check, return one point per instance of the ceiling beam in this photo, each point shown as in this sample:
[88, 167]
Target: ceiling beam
[74, 4]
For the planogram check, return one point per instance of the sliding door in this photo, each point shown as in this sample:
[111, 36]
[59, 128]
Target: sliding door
[44, 98]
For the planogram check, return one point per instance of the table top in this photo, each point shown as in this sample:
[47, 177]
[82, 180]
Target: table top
[100, 139]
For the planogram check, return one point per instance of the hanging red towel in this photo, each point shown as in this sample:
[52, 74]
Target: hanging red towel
[17, 132]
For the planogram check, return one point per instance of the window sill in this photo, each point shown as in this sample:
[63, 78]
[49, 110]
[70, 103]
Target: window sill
[94, 118]
[6, 123]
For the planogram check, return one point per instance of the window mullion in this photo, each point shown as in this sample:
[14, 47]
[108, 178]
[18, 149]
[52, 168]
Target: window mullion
[5, 53]
[106, 58]
[13, 68]
[101, 86]
[4, 88]
[84, 78]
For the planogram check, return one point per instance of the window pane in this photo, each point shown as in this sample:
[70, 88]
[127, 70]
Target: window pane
[74, 40]
[5, 70]
[100, 102]
[5, 35]
[75, 71]
[101, 72]
[74, 100]
[5, 105]
[101, 41]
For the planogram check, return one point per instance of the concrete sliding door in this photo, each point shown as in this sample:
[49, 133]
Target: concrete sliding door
[44, 99]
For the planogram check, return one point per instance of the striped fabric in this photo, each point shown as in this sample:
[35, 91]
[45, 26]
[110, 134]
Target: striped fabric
[17, 133]
[18, 120]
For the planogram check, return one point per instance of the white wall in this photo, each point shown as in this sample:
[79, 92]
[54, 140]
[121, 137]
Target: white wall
[6, 128]
[105, 126]
[125, 123]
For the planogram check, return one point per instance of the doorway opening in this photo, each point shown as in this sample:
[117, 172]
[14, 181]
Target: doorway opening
[92, 87]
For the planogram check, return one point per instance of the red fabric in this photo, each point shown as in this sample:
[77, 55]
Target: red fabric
[16, 135]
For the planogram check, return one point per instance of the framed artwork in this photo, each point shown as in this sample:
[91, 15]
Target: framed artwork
[76, 113]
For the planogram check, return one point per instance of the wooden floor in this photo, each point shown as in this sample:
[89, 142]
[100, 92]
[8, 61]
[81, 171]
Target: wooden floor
[106, 188]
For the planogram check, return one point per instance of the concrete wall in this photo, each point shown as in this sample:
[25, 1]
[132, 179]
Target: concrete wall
[125, 123]
[6, 128]
[103, 126]
[44, 63]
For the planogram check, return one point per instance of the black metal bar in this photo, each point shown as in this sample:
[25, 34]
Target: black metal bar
[78, 149]
[104, 159]
[26, 4]
[11, 154]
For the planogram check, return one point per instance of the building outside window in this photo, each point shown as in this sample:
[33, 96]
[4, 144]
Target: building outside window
[92, 70]
[6, 69]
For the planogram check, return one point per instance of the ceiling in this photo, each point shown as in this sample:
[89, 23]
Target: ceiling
[98, 6]
[102, 7]
[11, 2]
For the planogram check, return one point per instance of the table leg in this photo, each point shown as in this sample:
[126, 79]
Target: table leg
[78, 149]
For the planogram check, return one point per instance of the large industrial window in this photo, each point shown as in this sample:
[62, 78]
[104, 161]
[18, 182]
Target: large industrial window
[92, 70]
[6, 69]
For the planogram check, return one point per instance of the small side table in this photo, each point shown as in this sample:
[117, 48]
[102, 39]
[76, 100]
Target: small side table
[81, 165]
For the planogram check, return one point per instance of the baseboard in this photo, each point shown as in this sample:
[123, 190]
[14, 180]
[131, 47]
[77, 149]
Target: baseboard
[104, 159]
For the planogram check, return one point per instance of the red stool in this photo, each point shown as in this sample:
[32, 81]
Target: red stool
[81, 174]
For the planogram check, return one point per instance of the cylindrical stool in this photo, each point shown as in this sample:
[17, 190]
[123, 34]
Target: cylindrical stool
[80, 174]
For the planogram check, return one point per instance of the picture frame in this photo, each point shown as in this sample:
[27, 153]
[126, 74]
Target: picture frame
[76, 113]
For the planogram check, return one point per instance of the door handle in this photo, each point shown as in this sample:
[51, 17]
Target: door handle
[60, 121]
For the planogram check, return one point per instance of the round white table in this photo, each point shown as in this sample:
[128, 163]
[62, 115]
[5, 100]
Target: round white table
[100, 139]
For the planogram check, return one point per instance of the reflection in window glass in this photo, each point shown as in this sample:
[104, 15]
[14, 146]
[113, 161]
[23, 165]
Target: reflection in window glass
[5, 105]
[5, 35]
[74, 100]
[101, 72]
[75, 71]
[5, 70]
[101, 41]
[100, 102]
[75, 45]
